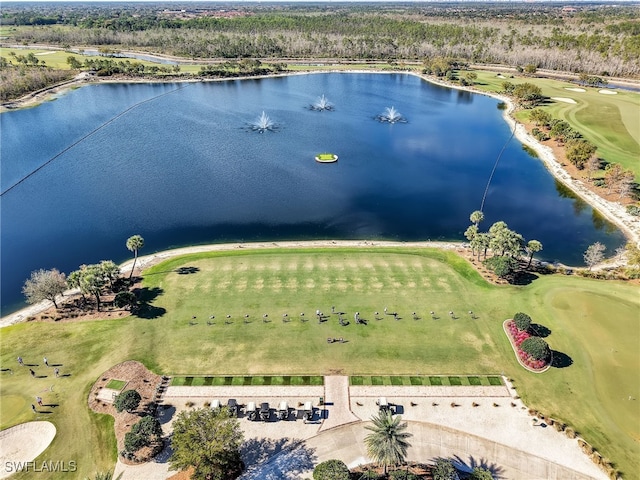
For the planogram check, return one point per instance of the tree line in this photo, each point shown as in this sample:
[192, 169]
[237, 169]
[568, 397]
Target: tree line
[595, 41]
[91, 280]
[582, 153]
[27, 75]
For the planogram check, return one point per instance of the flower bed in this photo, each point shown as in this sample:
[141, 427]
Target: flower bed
[516, 337]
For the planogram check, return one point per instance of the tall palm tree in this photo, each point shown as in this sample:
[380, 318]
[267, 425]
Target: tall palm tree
[134, 243]
[476, 217]
[532, 247]
[387, 445]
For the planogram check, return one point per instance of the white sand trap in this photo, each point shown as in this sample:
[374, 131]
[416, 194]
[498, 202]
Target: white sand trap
[563, 99]
[45, 53]
[607, 92]
[24, 442]
[574, 89]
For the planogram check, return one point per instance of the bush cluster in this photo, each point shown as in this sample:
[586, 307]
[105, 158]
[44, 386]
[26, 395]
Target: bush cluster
[536, 347]
[522, 321]
[331, 470]
[532, 351]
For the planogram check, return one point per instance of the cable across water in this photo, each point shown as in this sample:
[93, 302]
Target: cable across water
[33, 172]
[495, 165]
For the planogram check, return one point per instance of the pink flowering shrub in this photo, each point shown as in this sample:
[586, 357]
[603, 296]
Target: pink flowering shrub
[517, 337]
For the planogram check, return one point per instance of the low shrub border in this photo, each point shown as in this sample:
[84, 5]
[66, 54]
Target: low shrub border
[515, 342]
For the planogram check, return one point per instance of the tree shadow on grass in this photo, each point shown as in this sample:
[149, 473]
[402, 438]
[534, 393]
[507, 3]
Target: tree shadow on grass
[468, 465]
[539, 330]
[560, 360]
[145, 297]
[523, 278]
[186, 270]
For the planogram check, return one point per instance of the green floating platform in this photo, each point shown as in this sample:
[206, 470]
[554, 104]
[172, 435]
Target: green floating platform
[326, 158]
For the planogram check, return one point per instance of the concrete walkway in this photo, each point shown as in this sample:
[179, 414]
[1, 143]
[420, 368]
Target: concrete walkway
[337, 402]
[484, 425]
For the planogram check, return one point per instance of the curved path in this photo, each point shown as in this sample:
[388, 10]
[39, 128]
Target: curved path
[428, 442]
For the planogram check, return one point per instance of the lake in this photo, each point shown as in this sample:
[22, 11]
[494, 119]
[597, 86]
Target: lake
[177, 164]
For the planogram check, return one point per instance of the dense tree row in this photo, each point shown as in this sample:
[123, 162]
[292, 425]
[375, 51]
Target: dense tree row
[582, 153]
[602, 42]
[18, 80]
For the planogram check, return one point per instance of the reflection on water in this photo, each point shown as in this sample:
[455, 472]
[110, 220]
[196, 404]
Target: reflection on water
[174, 163]
[579, 205]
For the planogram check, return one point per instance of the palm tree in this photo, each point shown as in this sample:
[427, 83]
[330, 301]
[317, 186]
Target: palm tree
[134, 243]
[476, 217]
[532, 247]
[388, 442]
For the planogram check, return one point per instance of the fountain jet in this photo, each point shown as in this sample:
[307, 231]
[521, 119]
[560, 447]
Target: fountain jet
[263, 124]
[322, 104]
[391, 115]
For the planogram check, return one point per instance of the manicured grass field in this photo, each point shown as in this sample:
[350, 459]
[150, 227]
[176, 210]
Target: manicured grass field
[116, 384]
[593, 323]
[58, 58]
[609, 121]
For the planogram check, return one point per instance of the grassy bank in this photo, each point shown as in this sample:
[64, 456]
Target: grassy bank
[593, 324]
[609, 121]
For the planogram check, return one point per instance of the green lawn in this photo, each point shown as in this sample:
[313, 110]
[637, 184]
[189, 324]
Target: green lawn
[593, 323]
[58, 58]
[611, 122]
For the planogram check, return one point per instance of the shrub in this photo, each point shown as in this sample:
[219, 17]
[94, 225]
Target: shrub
[125, 300]
[480, 473]
[501, 266]
[522, 321]
[444, 470]
[127, 400]
[633, 210]
[570, 432]
[142, 434]
[148, 427]
[536, 347]
[331, 470]
[134, 442]
[402, 475]
[632, 273]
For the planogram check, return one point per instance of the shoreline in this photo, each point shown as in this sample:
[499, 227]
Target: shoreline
[147, 261]
[614, 212]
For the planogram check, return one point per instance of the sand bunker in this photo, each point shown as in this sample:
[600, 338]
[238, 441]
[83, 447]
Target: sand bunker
[24, 442]
[574, 89]
[563, 99]
[608, 92]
